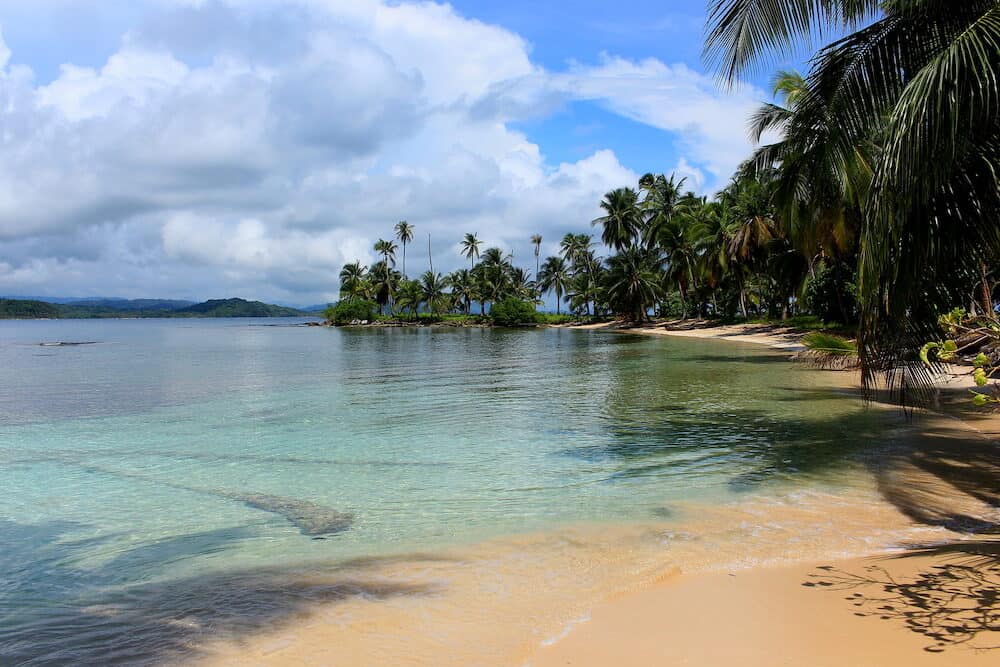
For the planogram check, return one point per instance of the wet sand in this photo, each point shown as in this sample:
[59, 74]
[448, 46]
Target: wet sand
[903, 569]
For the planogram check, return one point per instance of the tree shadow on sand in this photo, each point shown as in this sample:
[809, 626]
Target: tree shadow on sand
[98, 616]
[953, 603]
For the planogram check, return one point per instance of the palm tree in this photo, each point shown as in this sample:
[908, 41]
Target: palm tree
[404, 234]
[678, 240]
[384, 280]
[463, 288]
[921, 77]
[433, 287]
[388, 251]
[521, 285]
[633, 284]
[354, 281]
[470, 248]
[536, 240]
[663, 200]
[622, 219]
[554, 276]
[410, 296]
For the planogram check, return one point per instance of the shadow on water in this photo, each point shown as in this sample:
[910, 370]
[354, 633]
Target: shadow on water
[951, 603]
[76, 616]
[762, 446]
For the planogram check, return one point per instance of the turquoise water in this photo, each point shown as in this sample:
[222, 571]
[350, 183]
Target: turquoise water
[137, 463]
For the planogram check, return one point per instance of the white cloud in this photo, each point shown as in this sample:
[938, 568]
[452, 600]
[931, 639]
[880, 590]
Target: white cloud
[236, 147]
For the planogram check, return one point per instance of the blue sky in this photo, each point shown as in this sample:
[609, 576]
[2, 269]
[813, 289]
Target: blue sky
[198, 148]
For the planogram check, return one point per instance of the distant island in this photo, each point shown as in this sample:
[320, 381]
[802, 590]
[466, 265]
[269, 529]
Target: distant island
[24, 309]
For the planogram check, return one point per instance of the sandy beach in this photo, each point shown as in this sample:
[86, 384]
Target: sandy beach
[830, 599]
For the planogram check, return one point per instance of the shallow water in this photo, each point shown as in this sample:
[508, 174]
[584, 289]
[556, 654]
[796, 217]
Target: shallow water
[176, 482]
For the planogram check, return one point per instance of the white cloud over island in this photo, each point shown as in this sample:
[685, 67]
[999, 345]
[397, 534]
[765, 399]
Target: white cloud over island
[251, 148]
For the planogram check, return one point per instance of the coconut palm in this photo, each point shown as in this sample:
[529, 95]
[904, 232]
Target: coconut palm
[554, 276]
[633, 281]
[662, 201]
[921, 77]
[622, 221]
[388, 251]
[463, 288]
[404, 234]
[470, 248]
[536, 241]
[409, 296]
[384, 281]
[433, 287]
[354, 282]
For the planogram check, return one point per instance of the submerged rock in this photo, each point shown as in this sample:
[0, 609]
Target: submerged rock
[309, 517]
[68, 343]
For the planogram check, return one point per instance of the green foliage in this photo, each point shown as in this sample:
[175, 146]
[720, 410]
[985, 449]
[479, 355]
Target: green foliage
[553, 318]
[832, 294]
[351, 310]
[819, 341]
[513, 312]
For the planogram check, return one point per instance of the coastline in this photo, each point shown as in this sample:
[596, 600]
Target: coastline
[785, 608]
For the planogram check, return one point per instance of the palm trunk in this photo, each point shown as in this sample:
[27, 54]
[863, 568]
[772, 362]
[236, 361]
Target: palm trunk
[987, 293]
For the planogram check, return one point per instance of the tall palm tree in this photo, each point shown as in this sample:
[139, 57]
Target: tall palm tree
[923, 78]
[404, 234]
[470, 248]
[536, 240]
[622, 220]
[554, 276]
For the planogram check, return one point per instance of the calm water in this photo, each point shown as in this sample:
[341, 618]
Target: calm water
[146, 468]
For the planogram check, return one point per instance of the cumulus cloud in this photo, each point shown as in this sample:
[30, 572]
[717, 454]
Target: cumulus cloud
[235, 147]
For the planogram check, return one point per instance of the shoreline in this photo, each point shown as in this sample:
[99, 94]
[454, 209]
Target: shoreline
[772, 335]
[794, 608]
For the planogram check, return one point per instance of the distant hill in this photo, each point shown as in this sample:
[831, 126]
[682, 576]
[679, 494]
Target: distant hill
[237, 308]
[114, 308]
[131, 304]
[22, 309]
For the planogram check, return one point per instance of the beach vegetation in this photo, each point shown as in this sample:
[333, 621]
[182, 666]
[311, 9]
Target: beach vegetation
[348, 311]
[512, 312]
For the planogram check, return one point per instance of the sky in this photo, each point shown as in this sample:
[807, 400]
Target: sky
[213, 148]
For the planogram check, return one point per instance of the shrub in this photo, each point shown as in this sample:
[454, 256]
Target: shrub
[512, 312]
[350, 310]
